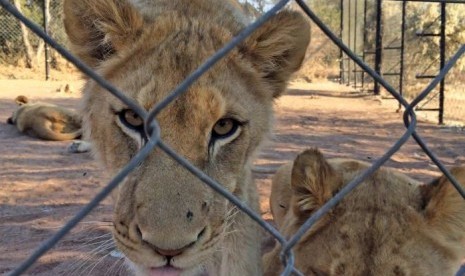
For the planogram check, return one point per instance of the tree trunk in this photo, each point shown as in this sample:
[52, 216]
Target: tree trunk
[27, 44]
[40, 48]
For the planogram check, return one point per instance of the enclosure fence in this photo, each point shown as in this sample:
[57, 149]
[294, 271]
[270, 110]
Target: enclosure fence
[407, 47]
[20, 47]
[153, 133]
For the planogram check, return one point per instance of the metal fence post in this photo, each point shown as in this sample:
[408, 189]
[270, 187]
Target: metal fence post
[379, 43]
[349, 39]
[46, 12]
[442, 49]
[364, 39]
[402, 49]
[341, 54]
[355, 41]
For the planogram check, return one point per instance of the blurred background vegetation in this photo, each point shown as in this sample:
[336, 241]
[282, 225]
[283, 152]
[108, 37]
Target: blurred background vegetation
[19, 48]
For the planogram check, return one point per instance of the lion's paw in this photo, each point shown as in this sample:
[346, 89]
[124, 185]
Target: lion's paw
[79, 147]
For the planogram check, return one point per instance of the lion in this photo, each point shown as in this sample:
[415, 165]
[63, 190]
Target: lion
[389, 225]
[166, 220]
[45, 121]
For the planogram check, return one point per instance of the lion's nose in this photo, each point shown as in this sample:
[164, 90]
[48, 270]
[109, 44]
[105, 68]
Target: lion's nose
[168, 252]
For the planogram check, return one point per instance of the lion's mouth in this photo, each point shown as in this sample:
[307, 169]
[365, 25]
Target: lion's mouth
[166, 270]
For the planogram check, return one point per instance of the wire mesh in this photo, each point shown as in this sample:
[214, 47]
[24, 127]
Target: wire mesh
[153, 131]
[10, 37]
[411, 51]
[20, 47]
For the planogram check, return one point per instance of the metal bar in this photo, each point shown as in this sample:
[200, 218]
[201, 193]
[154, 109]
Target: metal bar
[355, 40]
[392, 48]
[364, 38]
[379, 43]
[391, 74]
[45, 10]
[341, 54]
[402, 51]
[427, 109]
[425, 76]
[349, 38]
[426, 34]
[442, 49]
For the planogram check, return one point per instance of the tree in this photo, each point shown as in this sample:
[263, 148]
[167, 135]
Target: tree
[32, 53]
[260, 5]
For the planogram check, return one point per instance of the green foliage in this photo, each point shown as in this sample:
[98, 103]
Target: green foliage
[328, 11]
[422, 53]
[12, 49]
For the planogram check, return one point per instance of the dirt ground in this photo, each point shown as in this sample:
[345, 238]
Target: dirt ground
[42, 186]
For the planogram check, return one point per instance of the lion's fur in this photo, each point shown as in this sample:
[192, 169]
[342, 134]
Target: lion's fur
[146, 49]
[45, 121]
[389, 225]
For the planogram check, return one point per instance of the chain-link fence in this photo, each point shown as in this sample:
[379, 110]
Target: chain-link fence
[432, 34]
[154, 141]
[407, 42]
[21, 47]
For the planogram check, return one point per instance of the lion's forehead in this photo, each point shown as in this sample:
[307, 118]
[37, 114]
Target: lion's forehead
[189, 119]
[364, 247]
[369, 241]
[376, 220]
[150, 73]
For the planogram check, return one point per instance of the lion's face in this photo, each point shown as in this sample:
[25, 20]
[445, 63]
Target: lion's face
[389, 225]
[166, 219]
[162, 207]
[22, 102]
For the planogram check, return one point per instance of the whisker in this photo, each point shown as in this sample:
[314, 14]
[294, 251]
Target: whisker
[119, 264]
[87, 257]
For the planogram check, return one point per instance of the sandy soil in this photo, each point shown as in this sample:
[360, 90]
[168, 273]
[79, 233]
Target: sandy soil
[42, 185]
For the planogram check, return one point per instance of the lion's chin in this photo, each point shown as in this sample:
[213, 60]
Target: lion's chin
[165, 271]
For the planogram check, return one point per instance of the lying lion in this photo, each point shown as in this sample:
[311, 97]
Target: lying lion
[389, 225]
[166, 220]
[45, 121]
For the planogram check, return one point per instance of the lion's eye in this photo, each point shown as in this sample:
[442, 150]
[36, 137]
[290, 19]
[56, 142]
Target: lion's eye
[225, 128]
[131, 120]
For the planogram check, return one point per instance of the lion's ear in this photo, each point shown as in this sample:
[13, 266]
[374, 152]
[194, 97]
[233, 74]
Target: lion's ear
[21, 100]
[313, 182]
[97, 29]
[278, 47]
[444, 207]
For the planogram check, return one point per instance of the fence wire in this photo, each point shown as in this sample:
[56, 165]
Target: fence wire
[415, 38]
[153, 132]
[20, 47]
